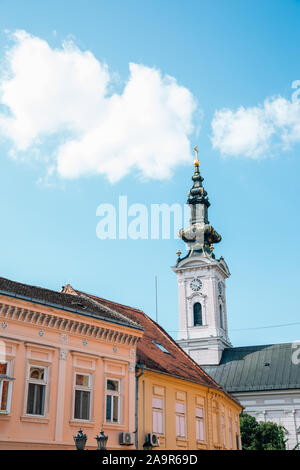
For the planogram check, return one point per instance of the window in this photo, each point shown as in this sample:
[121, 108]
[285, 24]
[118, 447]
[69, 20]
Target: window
[223, 431]
[230, 432]
[221, 317]
[82, 396]
[197, 314]
[5, 387]
[161, 347]
[112, 400]
[215, 427]
[237, 437]
[37, 383]
[200, 424]
[157, 415]
[180, 419]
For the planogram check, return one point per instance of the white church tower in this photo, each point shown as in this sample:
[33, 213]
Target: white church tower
[203, 331]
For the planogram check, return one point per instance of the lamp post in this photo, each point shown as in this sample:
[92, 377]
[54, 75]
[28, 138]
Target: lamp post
[101, 440]
[80, 440]
[147, 444]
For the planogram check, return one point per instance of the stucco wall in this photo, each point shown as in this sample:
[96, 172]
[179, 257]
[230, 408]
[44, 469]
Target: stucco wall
[215, 404]
[64, 348]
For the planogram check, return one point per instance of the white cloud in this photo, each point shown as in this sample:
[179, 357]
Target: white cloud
[61, 96]
[255, 132]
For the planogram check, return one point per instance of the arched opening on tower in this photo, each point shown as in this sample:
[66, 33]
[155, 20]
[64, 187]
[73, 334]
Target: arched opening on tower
[221, 317]
[198, 314]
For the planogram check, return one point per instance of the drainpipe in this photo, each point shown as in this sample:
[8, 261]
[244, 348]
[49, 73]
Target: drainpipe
[137, 376]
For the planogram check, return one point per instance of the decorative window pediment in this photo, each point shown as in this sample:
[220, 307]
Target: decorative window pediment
[197, 294]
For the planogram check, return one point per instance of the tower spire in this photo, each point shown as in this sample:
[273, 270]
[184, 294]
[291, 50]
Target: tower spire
[196, 162]
[200, 235]
[203, 329]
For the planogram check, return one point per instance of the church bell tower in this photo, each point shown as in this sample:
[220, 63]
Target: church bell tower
[203, 331]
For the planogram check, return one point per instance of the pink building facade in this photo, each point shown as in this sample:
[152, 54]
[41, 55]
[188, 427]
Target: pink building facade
[65, 364]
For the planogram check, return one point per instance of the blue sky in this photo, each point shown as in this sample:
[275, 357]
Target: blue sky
[232, 55]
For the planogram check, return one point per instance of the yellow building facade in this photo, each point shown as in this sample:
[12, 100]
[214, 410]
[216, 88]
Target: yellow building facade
[191, 416]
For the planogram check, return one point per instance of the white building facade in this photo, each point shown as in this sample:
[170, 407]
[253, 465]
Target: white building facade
[281, 407]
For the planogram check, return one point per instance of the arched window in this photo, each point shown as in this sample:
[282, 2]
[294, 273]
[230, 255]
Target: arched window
[197, 314]
[221, 317]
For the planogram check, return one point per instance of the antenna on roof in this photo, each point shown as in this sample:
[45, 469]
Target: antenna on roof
[156, 312]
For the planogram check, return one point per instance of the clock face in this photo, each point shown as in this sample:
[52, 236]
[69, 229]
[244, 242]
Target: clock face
[220, 288]
[196, 284]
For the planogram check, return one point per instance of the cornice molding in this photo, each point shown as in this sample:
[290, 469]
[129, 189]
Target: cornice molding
[66, 325]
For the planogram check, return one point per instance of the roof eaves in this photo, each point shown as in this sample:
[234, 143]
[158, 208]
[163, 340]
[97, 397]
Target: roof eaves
[68, 309]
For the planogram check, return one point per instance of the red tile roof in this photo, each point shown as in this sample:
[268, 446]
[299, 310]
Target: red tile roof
[63, 300]
[176, 363]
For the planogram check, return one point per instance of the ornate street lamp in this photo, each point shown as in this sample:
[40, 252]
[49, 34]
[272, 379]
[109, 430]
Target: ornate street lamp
[101, 441]
[80, 440]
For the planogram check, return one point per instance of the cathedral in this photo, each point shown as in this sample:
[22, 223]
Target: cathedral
[265, 379]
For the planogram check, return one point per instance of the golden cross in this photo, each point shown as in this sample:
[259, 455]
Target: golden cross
[197, 151]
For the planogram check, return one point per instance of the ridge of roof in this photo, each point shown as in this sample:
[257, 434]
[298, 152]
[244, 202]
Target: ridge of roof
[62, 301]
[256, 346]
[107, 300]
[109, 309]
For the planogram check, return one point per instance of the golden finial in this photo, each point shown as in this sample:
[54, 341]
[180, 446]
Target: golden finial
[178, 253]
[211, 248]
[196, 162]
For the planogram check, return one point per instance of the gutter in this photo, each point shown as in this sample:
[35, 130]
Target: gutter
[137, 376]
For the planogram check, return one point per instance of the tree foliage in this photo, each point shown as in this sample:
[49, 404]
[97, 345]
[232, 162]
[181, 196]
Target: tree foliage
[261, 436]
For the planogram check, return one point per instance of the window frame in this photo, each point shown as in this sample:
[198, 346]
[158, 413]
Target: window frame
[221, 317]
[223, 428]
[201, 313]
[6, 378]
[237, 436]
[158, 411]
[230, 433]
[83, 388]
[201, 421]
[43, 383]
[113, 393]
[182, 417]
